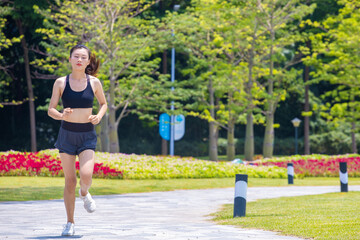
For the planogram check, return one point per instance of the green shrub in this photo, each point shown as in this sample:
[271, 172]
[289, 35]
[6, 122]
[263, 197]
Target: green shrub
[191, 148]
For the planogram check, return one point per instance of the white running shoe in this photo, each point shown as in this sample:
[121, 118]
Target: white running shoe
[89, 203]
[69, 229]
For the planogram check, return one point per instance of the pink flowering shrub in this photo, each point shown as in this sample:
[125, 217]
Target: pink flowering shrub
[324, 166]
[40, 164]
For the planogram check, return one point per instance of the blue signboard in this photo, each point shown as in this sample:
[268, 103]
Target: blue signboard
[179, 127]
[164, 126]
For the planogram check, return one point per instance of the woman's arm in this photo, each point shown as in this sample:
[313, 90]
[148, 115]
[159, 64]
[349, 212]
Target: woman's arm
[55, 97]
[100, 96]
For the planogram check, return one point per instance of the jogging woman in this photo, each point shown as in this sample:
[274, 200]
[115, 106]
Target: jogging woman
[77, 136]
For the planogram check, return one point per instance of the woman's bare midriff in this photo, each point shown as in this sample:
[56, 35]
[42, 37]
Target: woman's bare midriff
[80, 115]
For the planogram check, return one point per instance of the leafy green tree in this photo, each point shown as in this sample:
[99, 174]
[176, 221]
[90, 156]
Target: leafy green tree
[217, 39]
[200, 31]
[126, 44]
[243, 91]
[195, 30]
[5, 43]
[323, 8]
[278, 18]
[252, 54]
[21, 13]
[339, 44]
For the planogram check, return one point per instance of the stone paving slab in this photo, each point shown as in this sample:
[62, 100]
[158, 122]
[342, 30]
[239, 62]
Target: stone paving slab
[175, 215]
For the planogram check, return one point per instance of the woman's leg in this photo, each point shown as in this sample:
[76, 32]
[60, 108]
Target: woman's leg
[87, 161]
[68, 165]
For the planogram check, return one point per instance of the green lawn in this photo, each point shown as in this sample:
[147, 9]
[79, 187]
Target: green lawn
[326, 216]
[41, 188]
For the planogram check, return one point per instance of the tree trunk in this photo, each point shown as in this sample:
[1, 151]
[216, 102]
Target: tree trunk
[353, 139]
[249, 134]
[307, 109]
[164, 143]
[213, 153]
[306, 118]
[249, 138]
[114, 140]
[104, 135]
[113, 126]
[268, 146]
[213, 128]
[113, 134]
[230, 150]
[353, 123]
[29, 86]
[164, 147]
[98, 136]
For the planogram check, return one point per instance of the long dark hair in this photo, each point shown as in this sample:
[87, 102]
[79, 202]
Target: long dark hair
[93, 67]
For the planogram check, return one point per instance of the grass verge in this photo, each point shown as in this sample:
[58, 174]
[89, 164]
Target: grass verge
[44, 188]
[326, 216]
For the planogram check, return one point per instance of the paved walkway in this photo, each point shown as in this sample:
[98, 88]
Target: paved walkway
[176, 215]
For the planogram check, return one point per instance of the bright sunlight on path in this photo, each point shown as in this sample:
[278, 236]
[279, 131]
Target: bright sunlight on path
[176, 215]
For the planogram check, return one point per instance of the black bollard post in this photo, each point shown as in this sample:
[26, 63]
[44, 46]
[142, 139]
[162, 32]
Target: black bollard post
[343, 177]
[290, 170]
[240, 195]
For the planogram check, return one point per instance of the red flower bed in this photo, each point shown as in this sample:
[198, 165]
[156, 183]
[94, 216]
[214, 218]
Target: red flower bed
[319, 167]
[35, 164]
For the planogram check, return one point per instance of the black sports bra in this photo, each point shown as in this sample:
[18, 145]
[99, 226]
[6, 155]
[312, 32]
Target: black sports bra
[82, 99]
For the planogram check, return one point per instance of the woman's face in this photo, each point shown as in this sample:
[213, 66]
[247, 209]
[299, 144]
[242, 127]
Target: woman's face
[79, 59]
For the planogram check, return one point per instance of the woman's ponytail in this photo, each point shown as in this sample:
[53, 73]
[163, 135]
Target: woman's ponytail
[93, 66]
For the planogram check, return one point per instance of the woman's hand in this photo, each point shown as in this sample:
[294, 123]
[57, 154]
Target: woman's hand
[94, 119]
[66, 113]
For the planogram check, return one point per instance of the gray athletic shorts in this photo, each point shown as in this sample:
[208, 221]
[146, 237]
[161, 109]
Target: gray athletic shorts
[74, 138]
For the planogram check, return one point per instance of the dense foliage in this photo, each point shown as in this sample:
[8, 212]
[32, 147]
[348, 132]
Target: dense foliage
[212, 41]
